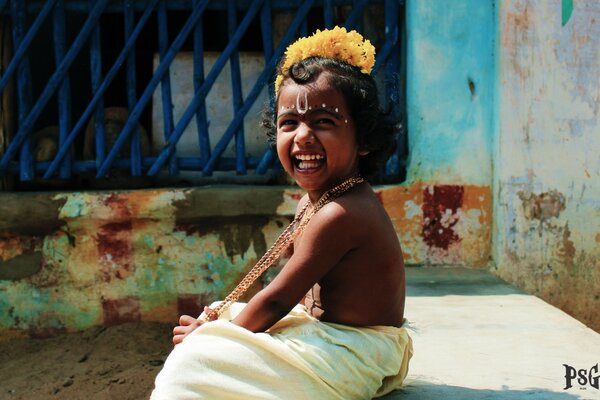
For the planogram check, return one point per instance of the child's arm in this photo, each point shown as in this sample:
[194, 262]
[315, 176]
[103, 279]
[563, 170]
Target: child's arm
[329, 236]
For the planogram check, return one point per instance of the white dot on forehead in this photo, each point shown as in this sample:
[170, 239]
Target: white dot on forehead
[324, 105]
[336, 109]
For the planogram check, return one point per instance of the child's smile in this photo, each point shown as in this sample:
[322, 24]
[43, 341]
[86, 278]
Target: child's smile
[308, 161]
[316, 137]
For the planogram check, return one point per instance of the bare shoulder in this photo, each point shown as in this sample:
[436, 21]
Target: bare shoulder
[360, 206]
[352, 217]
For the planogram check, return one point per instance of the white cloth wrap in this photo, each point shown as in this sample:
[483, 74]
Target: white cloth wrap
[300, 357]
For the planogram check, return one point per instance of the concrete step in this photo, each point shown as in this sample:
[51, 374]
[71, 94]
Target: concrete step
[477, 337]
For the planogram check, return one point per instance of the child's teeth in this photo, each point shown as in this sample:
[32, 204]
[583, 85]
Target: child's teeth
[309, 161]
[308, 164]
[308, 157]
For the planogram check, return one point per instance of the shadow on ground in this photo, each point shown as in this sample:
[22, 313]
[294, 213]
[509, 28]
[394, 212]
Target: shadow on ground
[427, 390]
[443, 281]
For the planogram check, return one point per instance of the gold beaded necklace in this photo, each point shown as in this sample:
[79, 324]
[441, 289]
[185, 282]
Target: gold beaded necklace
[287, 237]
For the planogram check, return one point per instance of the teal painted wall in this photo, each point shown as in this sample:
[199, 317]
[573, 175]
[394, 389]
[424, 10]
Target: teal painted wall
[450, 83]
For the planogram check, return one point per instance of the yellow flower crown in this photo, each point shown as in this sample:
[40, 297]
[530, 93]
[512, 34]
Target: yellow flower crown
[335, 43]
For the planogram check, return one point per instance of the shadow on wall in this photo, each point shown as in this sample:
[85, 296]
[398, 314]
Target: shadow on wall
[425, 391]
[443, 281]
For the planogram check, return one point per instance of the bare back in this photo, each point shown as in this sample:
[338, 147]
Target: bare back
[366, 286]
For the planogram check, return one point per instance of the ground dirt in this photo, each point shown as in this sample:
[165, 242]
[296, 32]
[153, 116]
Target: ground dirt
[118, 362]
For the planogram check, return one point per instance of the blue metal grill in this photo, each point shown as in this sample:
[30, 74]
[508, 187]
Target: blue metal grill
[55, 97]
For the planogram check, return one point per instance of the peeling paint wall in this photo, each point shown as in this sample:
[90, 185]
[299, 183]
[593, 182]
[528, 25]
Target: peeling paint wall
[441, 224]
[126, 256]
[450, 84]
[503, 121]
[156, 254]
[73, 260]
[547, 168]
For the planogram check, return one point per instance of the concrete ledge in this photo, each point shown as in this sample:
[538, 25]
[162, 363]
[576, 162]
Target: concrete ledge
[476, 337]
[39, 213]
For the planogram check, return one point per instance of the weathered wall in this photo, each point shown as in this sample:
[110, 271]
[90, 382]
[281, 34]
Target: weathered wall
[69, 261]
[501, 95]
[106, 258]
[450, 78]
[73, 260]
[547, 168]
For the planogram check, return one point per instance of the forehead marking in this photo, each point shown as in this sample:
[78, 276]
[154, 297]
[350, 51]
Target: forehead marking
[302, 103]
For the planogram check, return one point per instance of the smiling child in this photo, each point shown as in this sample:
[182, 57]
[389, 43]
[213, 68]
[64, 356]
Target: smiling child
[329, 326]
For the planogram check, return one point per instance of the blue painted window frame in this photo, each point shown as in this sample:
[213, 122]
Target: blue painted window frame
[18, 158]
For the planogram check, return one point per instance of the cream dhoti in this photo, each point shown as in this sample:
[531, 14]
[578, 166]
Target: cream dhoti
[300, 357]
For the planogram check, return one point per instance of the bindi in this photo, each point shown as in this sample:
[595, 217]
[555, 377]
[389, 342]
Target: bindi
[302, 105]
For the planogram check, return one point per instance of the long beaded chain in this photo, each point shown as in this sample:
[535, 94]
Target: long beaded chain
[284, 240]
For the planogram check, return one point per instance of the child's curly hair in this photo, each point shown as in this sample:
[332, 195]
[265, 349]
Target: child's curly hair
[376, 131]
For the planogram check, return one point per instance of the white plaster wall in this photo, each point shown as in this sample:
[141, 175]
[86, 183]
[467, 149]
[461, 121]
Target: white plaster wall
[219, 104]
[547, 152]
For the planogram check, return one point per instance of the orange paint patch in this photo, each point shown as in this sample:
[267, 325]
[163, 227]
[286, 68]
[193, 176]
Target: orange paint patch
[476, 244]
[395, 198]
[140, 201]
[403, 205]
[480, 198]
[471, 223]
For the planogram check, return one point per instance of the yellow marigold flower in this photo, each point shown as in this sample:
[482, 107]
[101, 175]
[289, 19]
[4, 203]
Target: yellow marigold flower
[336, 43]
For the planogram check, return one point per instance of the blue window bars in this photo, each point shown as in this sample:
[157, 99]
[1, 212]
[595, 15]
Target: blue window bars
[66, 57]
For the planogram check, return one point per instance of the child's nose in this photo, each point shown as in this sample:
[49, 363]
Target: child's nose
[304, 135]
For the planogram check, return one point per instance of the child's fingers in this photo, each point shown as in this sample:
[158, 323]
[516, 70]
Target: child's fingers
[186, 320]
[179, 330]
[178, 339]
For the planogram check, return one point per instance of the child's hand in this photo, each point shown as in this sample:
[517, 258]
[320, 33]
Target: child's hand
[187, 325]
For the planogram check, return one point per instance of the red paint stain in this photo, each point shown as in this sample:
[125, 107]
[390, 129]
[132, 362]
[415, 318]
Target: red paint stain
[118, 311]
[119, 204]
[436, 201]
[193, 304]
[114, 248]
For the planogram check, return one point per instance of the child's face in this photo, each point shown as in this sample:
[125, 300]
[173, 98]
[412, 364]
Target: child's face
[316, 137]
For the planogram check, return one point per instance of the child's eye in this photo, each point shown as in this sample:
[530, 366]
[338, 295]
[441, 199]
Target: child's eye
[322, 121]
[287, 122]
